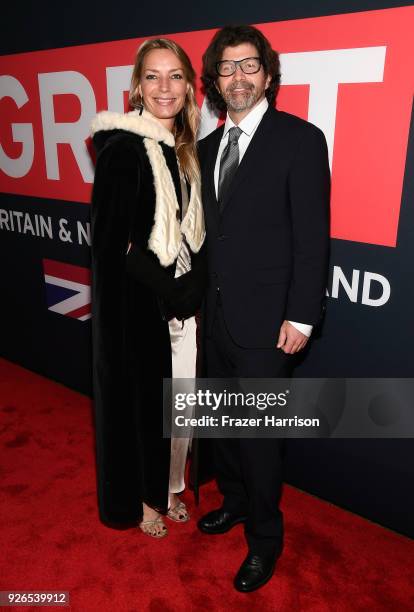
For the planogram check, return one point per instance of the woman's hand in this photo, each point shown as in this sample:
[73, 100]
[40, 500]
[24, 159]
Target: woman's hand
[182, 296]
[187, 295]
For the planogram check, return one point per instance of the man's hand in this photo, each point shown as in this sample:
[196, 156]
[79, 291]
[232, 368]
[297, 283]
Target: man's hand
[291, 340]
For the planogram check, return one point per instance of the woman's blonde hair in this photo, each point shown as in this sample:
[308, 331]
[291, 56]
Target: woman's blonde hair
[187, 121]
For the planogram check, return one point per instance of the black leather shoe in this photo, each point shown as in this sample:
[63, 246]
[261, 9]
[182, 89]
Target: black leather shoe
[219, 521]
[254, 572]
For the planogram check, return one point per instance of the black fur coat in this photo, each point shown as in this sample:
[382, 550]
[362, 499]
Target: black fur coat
[136, 236]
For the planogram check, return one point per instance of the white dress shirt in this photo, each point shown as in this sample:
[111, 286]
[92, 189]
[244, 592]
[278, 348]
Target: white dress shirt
[249, 125]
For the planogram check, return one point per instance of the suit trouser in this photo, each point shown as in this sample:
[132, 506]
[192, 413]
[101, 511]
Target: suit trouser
[249, 470]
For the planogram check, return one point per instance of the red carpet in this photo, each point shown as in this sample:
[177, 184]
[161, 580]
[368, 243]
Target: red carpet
[52, 539]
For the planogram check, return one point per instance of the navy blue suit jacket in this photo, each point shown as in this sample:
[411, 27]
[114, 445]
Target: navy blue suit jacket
[268, 248]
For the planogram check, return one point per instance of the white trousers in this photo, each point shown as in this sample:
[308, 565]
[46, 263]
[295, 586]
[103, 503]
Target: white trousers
[184, 355]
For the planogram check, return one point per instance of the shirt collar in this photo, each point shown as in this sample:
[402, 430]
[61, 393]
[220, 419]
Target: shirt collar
[250, 122]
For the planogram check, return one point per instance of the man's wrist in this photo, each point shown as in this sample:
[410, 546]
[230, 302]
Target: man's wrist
[304, 328]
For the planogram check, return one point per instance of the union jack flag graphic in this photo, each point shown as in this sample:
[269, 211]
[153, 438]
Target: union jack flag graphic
[68, 289]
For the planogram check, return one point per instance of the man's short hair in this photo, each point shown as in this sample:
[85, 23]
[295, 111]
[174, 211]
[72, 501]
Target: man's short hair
[231, 36]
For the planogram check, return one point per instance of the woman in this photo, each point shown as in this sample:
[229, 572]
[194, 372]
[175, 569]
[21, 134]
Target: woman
[148, 281]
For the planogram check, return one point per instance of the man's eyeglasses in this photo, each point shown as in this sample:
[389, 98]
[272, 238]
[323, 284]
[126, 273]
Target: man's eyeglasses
[249, 65]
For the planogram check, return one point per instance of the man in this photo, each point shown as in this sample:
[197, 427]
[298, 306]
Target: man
[265, 177]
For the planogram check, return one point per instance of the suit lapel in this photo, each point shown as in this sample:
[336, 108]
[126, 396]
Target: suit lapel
[252, 154]
[208, 174]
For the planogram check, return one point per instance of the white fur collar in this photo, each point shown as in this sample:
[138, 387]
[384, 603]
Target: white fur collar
[144, 125]
[167, 232]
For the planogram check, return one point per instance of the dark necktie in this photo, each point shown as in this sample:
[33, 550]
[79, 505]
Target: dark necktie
[228, 163]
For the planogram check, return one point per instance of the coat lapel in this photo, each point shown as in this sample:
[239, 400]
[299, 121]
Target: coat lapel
[208, 174]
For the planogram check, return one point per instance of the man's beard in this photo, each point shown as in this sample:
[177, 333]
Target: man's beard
[241, 101]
